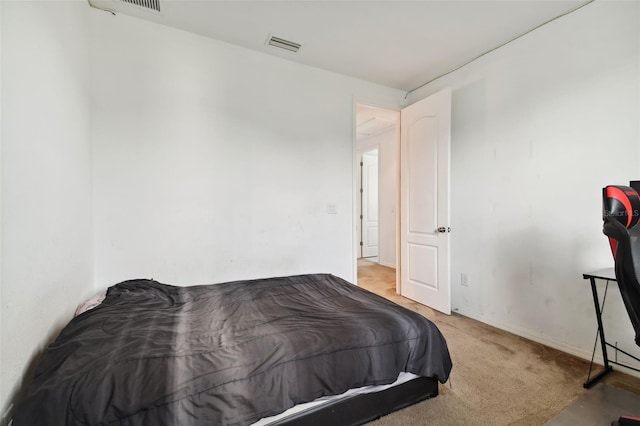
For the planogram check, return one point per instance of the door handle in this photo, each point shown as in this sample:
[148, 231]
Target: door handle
[443, 229]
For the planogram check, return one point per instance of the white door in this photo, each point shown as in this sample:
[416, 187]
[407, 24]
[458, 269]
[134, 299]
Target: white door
[424, 201]
[370, 203]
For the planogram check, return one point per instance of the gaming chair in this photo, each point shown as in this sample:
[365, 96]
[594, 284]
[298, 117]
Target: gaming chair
[621, 216]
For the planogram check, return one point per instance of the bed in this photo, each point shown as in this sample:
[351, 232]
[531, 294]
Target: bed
[233, 354]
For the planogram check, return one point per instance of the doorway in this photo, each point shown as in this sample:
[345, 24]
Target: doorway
[377, 182]
[419, 149]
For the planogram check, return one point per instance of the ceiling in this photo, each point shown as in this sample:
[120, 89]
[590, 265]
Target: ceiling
[399, 44]
[371, 120]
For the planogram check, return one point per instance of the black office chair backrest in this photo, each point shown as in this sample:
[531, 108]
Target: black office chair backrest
[621, 214]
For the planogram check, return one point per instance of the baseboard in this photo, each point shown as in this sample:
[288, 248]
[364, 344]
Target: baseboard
[544, 340]
[387, 264]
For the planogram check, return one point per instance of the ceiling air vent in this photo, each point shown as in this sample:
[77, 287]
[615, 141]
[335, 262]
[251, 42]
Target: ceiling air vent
[146, 4]
[283, 44]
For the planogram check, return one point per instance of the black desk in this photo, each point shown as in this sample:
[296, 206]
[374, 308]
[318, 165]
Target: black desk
[608, 275]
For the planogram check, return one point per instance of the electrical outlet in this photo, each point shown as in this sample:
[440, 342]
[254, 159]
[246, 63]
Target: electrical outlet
[332, 208]
[464, 279]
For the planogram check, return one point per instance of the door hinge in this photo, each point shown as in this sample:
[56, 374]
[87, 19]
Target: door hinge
[361, 164]
[361, 190]
[361, 217]
[361, 243]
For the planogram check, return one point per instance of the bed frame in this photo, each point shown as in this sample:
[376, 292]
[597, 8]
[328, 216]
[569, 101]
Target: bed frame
[363, 408]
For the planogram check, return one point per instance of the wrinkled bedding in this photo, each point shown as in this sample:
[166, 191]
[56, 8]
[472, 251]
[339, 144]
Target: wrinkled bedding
[225, 354]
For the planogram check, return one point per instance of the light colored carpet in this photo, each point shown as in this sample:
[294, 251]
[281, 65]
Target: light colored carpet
[497, 379]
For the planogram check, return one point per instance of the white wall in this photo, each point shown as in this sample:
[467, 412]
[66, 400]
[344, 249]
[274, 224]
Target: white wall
[387, 191]
[46, 179]
[204, 162]
[2, 392]
[215, 163]
[538, 128]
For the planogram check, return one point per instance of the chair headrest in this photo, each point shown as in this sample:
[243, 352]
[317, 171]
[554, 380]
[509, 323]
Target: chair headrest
[621, 203]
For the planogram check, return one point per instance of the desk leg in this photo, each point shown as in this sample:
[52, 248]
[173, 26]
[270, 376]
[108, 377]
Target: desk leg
[607, 368]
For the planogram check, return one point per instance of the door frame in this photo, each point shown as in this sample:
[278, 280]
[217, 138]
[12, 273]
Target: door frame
[355, 164]
[389, 105]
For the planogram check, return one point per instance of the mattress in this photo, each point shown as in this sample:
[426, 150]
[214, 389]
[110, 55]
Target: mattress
[225, 354]
[327, 400]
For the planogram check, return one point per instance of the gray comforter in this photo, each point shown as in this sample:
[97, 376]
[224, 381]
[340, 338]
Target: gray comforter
[232, 353]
